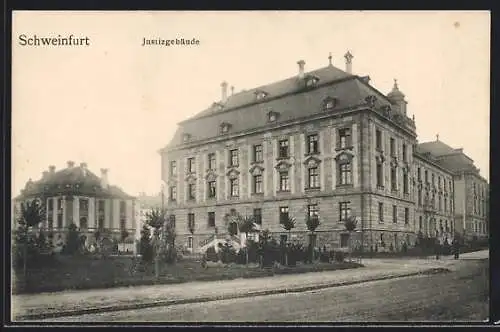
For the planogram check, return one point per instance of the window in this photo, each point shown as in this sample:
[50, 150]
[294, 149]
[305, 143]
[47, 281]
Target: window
[257, 153]
[50, 221]
[426, 175]
[419, 174]
[420, 222]
[392, 147]
[283, 148]
[257, 215]
[445, 204]
[60, 221]
[173, 193]
[191, 222]
[171, 219]
[101, 206]
[211, 219]
[191, 191]
[419, 193]
[440, 203]
[122, 224]
[378, 139]
[433, 179]
[381, 212]
[344, 240]
[313, 177]
[234, 158]
[394, 214]
[446, 228]
[190, 242]
[122, 207]
[272, 116]
[380, 178]
[84, 206]
[283, 214]
[212, 161]
[313, 211]
[312, 144]
[404, 153]
[173, 167]
[60, 205]
[212, 189]
[191, 165]
[235, 187]
[257, 184]
[407, 216]
[100, 224]
[394, 185]
[50, 206]
[345, 211]
[329, 105]
[439, 182]
[284, 181]
[311, 82]
[405, 182]
[345, 173]
[345, 138]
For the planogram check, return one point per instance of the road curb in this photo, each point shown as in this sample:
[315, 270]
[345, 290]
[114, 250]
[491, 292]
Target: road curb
[165, 303]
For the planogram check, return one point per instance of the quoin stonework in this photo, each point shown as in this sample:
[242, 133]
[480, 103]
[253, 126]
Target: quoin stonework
[323, 144]
[75, 195]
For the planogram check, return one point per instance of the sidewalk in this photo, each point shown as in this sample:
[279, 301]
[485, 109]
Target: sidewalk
[69, 303]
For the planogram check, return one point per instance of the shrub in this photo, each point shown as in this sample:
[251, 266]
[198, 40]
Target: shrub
[211, 255]
[339, 256]
[227, 254]
[324, 257]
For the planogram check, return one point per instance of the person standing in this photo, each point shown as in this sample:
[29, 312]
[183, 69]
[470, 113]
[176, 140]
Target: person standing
[456, 248]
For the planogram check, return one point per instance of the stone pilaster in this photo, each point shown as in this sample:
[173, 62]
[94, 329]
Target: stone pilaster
[355, 161]
[293, 155]
[273, 169]
[333, 138]
[92, 213]
[322, 137]
[301, 164]
[247, 168]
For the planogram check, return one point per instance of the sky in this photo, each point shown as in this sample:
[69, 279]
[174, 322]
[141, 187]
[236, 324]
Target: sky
[115, 103]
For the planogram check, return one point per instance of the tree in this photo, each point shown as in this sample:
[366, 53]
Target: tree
[246, 225]
[312, 223]
[32, 214]
[350, 225]
[169, 236]
[72, 240]
[288, 224]
[145, 244]
[156, 218]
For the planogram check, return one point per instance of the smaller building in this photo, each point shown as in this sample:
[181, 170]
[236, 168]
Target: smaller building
[75, 195]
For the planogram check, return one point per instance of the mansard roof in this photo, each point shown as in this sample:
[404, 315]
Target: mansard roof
[76, 181]
[291, 98]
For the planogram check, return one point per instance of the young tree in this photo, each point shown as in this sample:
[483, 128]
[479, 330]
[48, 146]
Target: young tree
[350, 225]
[312, 224]
[145, 244]
[32, 214]
[288, 224]
[156, 218]
[246, 225]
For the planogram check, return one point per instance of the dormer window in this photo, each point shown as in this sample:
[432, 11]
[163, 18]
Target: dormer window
[217, 106]
[329, 104]
[311, 81]
[186, 138]
[272, 116]
[260, 95]
[370, 100]
[224, 127]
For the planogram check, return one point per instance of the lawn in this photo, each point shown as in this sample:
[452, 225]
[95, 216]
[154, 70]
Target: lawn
[86, 272]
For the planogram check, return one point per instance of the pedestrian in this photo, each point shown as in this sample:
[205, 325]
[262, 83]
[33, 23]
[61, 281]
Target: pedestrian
[456, 248]
[437, 248]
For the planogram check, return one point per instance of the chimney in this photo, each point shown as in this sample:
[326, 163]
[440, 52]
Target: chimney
[348, 62]
[52, 169]
[232, 90]
[224, 91]
[70, 164]
[45, 174]
[301, 64]
[104, 177]
[83, 166]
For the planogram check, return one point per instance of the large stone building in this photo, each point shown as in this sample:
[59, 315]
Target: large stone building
[76, 195]
[322, 144]
[471, 203]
